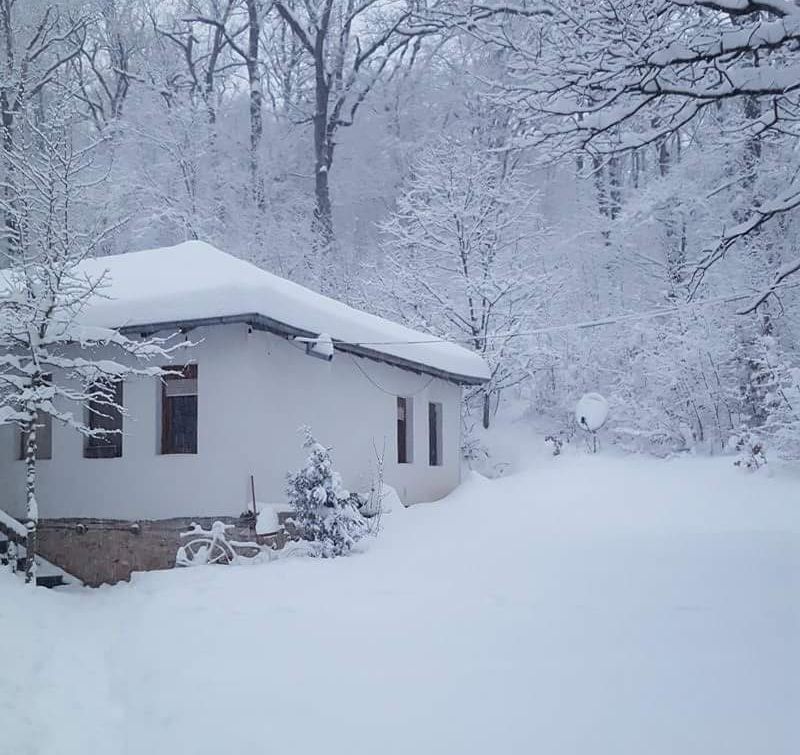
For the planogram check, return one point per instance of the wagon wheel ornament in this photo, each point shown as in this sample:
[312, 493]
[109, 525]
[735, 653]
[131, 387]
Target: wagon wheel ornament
[212, 547]
[206, 546]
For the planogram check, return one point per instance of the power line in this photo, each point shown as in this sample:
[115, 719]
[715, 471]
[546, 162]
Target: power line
[584, 325]
[381, 388]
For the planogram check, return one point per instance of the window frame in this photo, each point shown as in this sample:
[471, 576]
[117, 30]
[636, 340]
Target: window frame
[167, 446]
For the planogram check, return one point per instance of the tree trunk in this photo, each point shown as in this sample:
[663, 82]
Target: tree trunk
[674, 226]
[322, 229]
[8, 99]
[602, 198]
[256, 102]
[32, 508]
[487, 407]
[9, 184]
[322, 225]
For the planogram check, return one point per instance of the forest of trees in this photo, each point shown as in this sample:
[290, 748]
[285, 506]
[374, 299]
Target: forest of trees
[597, 196]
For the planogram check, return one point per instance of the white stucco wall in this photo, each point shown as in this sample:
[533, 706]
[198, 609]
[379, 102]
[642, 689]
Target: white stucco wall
[255, 391]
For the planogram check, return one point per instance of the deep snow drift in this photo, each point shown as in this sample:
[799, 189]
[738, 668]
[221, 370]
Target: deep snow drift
[588, 605]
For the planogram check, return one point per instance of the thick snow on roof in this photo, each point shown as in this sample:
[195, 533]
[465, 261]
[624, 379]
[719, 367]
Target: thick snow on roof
[194, 280]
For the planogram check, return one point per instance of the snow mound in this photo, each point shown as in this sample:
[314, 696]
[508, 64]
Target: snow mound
[267, 521]
[390, 500]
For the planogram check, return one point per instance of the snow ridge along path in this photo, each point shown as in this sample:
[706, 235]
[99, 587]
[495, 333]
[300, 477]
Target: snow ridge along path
[589, 605]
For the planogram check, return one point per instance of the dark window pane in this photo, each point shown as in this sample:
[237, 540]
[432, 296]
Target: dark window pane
[183, 424]
[404, 430]
[179, 411]
[107, 418]
[401, 430]
[434, 434]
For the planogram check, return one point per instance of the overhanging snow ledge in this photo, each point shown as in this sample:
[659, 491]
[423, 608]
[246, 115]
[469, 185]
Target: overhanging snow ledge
[268, 324]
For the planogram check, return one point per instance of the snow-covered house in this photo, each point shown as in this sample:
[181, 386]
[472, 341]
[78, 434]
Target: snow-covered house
[269, 357]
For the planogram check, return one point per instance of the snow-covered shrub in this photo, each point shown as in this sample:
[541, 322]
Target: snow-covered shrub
[324, 512]
[769, 398]
[555, 442]
[389, 499]
[369, 506]
[751, 451]
[780, 402]
[473, 450]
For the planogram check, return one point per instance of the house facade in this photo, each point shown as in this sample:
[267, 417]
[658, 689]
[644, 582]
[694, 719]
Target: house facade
[266, 359]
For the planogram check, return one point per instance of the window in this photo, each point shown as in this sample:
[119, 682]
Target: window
[44, 438]
[107, 418]
[435, 434]
[179, 411]
[405, 430]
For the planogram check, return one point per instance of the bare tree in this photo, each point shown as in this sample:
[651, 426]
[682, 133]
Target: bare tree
[250, 53]
[202, 54]
[288, 72]
[614, 76]
[49, 362]
[352, 44]
[462, 256]
[38, 38]
[194, 86]
[110, 59]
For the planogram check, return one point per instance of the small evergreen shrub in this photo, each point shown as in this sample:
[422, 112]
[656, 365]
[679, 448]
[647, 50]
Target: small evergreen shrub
[324, 512]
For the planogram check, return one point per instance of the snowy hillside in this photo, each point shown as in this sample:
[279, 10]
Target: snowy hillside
[586, 605]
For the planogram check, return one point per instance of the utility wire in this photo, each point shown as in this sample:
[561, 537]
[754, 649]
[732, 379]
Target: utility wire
[585, 325]
[381, 388]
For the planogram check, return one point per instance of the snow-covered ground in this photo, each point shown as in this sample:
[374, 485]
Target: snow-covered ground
[585, 605]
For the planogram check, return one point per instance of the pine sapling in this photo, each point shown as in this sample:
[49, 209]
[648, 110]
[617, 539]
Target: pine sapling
[325, 513]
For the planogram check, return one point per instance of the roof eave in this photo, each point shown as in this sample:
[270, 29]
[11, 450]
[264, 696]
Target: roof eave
[261, 322]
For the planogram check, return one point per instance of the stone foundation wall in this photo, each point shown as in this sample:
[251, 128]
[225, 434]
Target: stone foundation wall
[106, 551]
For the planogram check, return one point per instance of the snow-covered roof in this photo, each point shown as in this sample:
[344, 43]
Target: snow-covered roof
[194, 283]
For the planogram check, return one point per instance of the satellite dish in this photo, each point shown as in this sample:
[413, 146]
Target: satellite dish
[591, 412]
